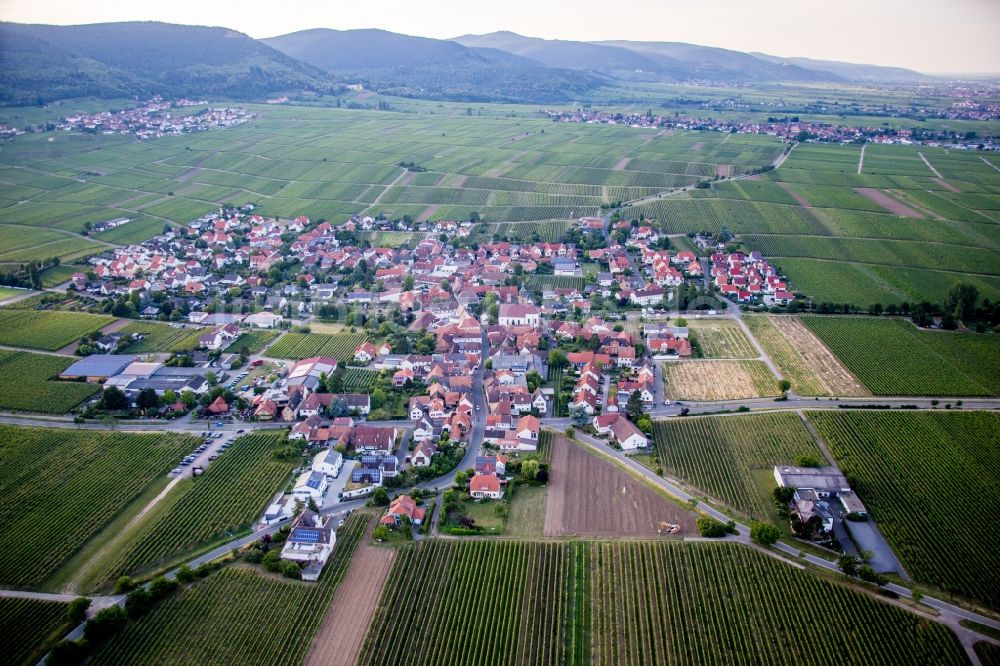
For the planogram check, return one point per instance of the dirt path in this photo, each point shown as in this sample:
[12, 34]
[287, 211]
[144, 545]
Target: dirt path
[19, 297]
[948, 186]
[339, 640]
[861, 158]
[930, 166]
[622, 163]
[990, 163]
[74, 583]
[820, 442]
[887, 202]
[116, 325]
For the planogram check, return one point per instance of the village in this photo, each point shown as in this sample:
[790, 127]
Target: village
[155, 119]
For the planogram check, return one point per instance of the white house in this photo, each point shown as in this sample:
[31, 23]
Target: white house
[263, 320]
[309, 544]
[486, 486]
[628, 436]
[328, 462]
[518, 314]
[310, 485]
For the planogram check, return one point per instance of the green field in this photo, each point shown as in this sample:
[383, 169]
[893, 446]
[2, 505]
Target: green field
[893, 357]
[927, 479]
[253, 341]
[359, 379]
[27, 627]
[60, 487]
[27, 383]
[633, 603]
[700, 603]
[47, 330]
[158, 337]
[232, 493]
[515, 592]
[296, 160]
[812, 218]
[239, 615]
[722, 456]
[340, 346]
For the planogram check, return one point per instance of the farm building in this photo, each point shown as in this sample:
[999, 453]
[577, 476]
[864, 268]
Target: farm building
[98, 367]
[310, 485]
[819, 483]
[328, 462]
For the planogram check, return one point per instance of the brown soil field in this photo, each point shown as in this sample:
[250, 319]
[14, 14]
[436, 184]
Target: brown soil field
[817, 359]
[723, 170]
[427, 213]
[338, 642]
[946, 185]
[887, 202]
[698, 145]
[622, 163]
[589, 496]
[718, 380]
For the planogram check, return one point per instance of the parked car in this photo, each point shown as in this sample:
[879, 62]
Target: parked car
[213, 456]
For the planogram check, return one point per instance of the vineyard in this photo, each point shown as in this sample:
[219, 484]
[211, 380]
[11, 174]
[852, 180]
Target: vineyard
[59, 488]
[253, 341]
[721, 455]
[359, 380]
[25, 383]
[701, 603]
[543, 282]
[450, 602]
[27, 626]
[50, 331]
[923, 362]
[927, 478]
[721, 338]
[802, 358]
[545, 445]
[161, 337]
[718, 380]
[340, 346]
[227, 498]
[237, 616]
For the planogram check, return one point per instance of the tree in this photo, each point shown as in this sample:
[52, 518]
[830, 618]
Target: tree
[105, 624]
[408, 283]
[710, 527]
[272, 560]
[634, 406]
[848, 564]
[579, 416]
[557, 359]
[66, 653]
[529, 469]
[147, 399]
[76, 610]
[784, 385]
[961, 301]
[290, 569]
[381, 533]
[138, 603]
[380, 497]
[113, 399]
[764, 534]
[312, 505]
[124, 584]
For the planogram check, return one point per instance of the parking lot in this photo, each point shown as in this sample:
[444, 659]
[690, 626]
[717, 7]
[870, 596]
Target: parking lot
[214, 443]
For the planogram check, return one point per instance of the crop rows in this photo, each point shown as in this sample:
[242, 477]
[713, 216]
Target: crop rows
[927, 479]
[26, 625]
[252, 341]
[721, 455]
[921, 362]
[26, 383]
[543, 282]
[58, 488]
[50, 331]
[700, 603]
[472, 603]
[161, 337]
[722, 340]
[237, 616]
[718, 380]
[233, 491]
[340, 346]
[359, 379]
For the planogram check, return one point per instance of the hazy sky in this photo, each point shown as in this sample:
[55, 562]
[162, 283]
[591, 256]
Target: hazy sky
[934, 36]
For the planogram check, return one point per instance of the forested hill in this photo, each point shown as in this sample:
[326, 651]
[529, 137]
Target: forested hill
[45, 62]
[432, 68]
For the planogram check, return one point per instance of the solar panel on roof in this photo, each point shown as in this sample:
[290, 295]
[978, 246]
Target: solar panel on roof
[305, 535]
